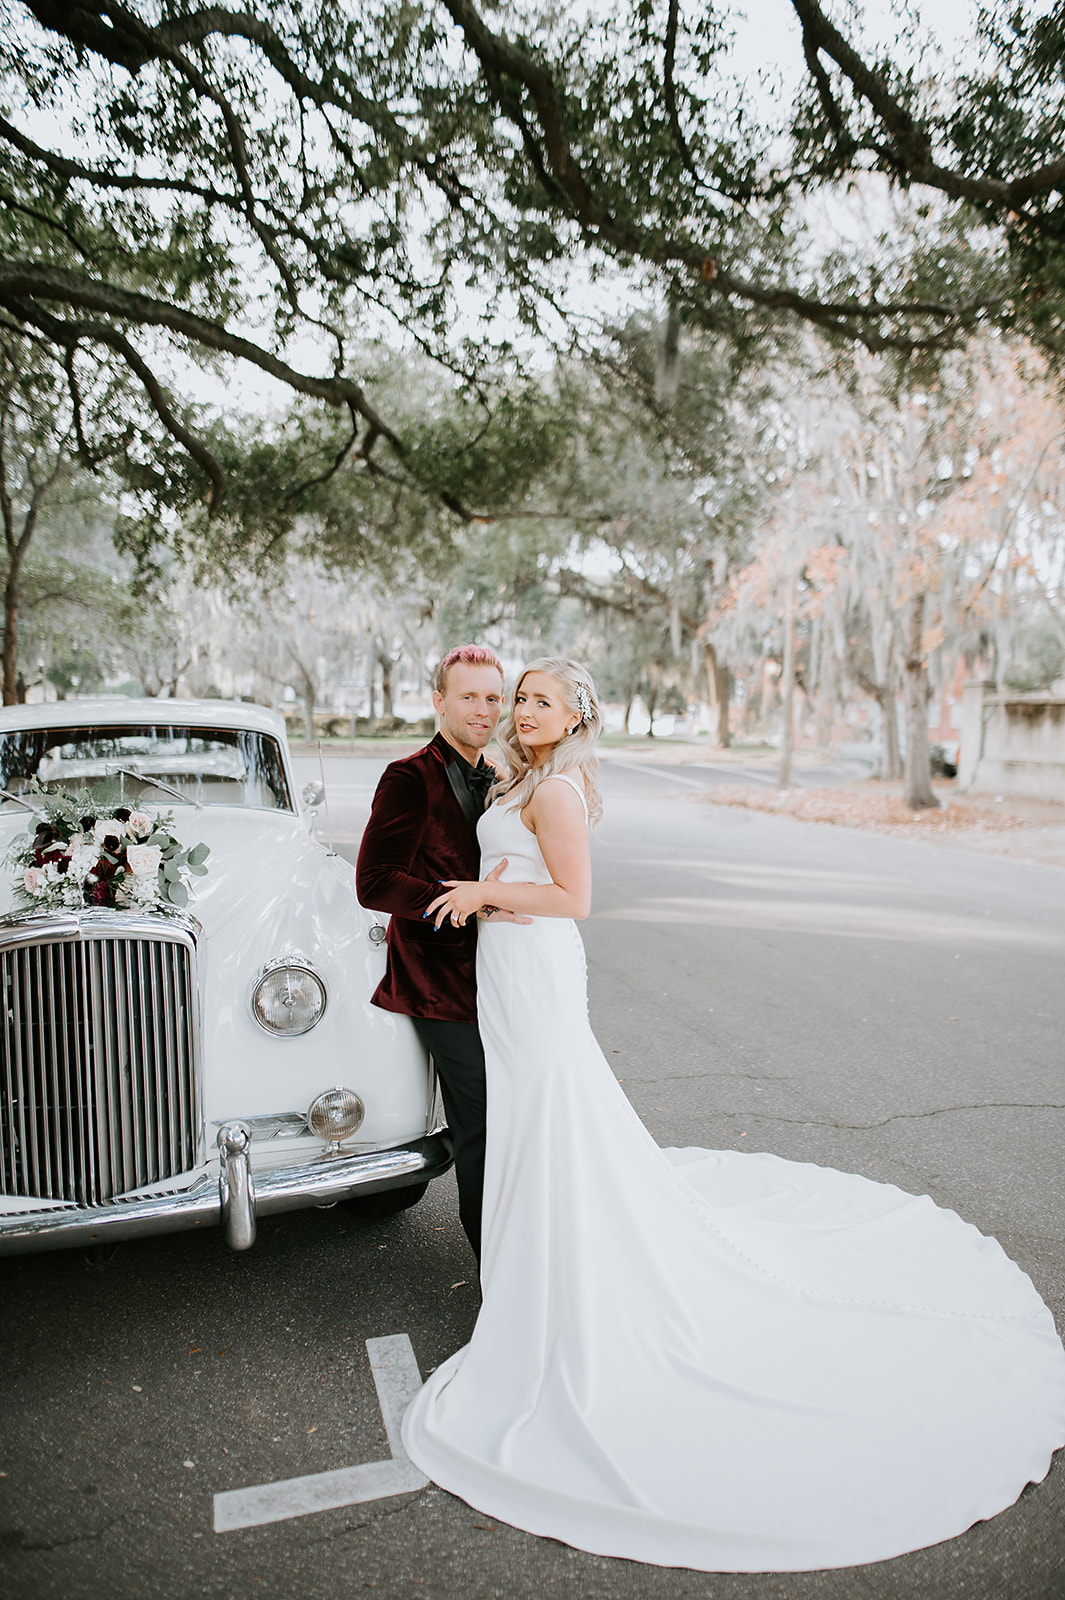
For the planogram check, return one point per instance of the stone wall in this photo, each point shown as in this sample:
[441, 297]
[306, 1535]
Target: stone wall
[1012, 744]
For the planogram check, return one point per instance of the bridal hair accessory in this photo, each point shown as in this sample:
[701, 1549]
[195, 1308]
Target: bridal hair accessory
[584, 705]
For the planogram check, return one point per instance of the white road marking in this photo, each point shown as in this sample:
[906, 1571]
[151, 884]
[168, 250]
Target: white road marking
[658, 772]
[739, 775]
[397, 1380]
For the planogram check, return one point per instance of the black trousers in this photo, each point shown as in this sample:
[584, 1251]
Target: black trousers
[458, 1056]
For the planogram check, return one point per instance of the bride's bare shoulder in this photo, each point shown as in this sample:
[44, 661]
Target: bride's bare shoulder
[559, 797]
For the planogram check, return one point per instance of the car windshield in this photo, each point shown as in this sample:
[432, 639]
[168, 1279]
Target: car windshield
[212, 766]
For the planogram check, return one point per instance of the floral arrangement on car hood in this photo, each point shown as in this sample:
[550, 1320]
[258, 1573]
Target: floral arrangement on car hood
[84, 853]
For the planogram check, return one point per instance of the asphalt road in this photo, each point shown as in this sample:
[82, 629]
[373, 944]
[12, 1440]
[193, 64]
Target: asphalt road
[870, 1003]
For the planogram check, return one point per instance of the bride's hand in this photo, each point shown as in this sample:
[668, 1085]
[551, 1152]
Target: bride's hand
[497, 913]
[461, 901]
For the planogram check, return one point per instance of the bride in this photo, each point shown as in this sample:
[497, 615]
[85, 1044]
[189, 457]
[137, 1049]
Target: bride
[692, 1358]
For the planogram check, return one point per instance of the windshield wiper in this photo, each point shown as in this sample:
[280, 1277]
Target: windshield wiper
[6, 794]
[146, 777]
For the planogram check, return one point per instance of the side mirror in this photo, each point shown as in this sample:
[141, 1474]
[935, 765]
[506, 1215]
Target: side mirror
[312, 794]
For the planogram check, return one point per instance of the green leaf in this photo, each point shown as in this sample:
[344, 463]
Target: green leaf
[177, 894]
[198, 854]
[171, 872]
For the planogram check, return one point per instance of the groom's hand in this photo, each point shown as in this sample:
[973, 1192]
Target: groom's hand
[496, 913]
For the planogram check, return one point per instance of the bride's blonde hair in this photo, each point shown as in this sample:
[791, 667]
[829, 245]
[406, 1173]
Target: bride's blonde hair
[573, 753]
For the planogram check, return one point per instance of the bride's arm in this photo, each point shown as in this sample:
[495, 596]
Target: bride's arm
[558, 820]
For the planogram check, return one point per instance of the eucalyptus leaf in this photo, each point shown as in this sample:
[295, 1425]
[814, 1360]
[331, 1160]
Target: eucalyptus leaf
[177, 894]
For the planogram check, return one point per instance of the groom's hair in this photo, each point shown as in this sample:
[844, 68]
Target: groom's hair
[473, 655]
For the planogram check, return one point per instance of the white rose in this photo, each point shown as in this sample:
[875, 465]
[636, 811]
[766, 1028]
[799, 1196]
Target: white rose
[104, 827]
[34, 880]
[139, 822]
[143, 859]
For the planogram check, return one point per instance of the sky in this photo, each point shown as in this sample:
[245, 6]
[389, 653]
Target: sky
[769, 35]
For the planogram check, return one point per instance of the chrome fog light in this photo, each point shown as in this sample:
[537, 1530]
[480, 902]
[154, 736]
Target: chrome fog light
[288, 999]
[335, 1115]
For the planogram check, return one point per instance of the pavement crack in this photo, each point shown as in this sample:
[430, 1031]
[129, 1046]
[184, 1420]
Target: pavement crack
[15, 1540]
[724, 1077]
[374, 1518]
[899, 1116]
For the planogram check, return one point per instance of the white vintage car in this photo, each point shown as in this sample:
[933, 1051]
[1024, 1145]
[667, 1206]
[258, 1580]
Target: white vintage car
[167, 1071]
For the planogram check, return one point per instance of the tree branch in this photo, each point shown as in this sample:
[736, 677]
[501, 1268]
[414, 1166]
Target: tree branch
[670, 92]
[912, 152]
[849, 319]
[22, 281]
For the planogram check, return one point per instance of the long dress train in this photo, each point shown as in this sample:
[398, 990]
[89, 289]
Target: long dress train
[706, 1359]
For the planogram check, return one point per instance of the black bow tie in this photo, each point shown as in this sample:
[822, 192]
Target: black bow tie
[479, 780]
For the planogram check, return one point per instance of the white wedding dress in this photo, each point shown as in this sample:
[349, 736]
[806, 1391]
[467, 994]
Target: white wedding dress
[705, 1359]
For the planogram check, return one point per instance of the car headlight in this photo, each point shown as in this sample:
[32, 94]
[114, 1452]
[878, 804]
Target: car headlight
[336, 1114]
[288, 999]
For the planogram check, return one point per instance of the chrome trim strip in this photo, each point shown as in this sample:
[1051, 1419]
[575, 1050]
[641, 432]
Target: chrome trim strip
[50, 927]
[280, 1125]
[319, 1182]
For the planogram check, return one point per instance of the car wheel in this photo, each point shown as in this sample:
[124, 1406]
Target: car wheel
[375, 1207]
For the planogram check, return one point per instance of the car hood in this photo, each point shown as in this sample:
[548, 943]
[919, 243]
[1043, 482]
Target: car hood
[258, 859]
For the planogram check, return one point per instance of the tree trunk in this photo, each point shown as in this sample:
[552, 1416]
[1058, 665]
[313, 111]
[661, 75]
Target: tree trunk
[917, 770]
[654, 678]
[717, 695]
[308, 696]
[787, 688]
[668, 374]
[890, 757]
[11, 602]
[386, 664]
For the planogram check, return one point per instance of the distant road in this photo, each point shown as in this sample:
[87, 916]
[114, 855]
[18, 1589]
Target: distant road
[350, 782]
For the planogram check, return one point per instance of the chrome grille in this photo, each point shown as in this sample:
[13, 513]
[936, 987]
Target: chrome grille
[98, 1079]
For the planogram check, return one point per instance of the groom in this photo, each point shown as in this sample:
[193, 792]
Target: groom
[422, 829]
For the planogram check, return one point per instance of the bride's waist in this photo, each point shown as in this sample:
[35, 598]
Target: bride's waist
[541, 925]
[517, 871]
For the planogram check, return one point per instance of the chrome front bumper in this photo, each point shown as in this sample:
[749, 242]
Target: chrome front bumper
[240, 1195]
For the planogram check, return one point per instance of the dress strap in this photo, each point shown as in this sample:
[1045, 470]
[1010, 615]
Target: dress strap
[566, 777]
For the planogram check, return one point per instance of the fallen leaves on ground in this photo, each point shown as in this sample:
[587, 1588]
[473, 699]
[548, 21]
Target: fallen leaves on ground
[876, 807]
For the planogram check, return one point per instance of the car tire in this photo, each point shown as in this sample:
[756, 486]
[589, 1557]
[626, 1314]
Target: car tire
[376, 1207]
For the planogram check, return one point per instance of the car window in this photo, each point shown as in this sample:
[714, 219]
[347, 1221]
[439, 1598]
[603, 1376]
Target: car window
[215, 766]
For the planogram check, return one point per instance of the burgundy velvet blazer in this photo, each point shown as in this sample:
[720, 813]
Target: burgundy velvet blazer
[418, 834]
